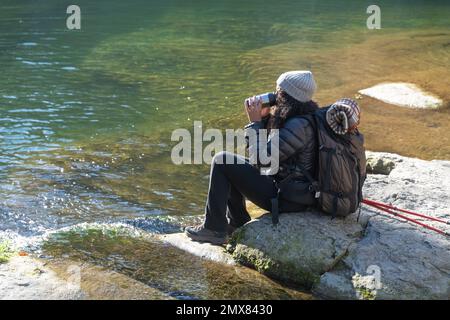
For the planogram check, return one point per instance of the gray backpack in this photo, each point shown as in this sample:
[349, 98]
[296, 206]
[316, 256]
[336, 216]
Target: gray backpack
[340, 170]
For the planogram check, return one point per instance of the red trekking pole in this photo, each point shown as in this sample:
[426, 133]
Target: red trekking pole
[394, 211]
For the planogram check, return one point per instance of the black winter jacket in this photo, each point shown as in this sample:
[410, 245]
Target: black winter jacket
[297, 145]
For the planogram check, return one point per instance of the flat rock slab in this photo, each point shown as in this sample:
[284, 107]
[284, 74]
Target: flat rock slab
[202, 250]
[402, 94]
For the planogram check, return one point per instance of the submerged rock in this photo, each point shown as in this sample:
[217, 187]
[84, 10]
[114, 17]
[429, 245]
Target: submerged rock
[27, 278]
[402, 94]
[376, 257]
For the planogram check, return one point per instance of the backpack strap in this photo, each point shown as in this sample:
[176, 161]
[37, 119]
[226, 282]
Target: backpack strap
[314, 185]
[275, 208]
[311, 118]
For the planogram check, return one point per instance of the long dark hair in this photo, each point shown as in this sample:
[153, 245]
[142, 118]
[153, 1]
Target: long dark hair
[287, 107]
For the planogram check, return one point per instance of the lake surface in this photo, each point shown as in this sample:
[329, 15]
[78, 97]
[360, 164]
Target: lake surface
[87, 115]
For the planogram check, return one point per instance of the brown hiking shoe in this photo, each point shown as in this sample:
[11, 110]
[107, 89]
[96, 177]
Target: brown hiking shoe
[201, 234]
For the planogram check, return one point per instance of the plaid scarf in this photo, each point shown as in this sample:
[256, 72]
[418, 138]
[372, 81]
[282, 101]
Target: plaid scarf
[343, 116]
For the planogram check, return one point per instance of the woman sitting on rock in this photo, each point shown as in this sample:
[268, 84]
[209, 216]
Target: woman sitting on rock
[233, 178]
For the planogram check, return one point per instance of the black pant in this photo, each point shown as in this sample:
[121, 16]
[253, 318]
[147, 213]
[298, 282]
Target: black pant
[232, 180]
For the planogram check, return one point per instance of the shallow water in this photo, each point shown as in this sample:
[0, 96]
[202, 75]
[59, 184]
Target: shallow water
[86, 116]
[167, 269]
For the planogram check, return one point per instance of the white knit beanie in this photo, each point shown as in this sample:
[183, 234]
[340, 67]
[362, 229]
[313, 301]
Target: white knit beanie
[298, 84]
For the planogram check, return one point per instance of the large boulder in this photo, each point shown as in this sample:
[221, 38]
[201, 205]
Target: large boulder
[301, 248]
[377, 256]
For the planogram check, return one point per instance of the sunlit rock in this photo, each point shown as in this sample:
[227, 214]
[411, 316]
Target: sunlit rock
[402, 94]
[202, 250]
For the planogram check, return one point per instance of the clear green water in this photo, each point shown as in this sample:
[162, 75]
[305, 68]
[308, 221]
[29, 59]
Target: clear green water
[86, 116]
[167, 269]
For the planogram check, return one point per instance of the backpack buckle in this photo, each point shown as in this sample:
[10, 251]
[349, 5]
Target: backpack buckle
[315, 187]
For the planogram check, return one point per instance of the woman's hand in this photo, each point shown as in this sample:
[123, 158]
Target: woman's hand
[265, 112]
[253, 108]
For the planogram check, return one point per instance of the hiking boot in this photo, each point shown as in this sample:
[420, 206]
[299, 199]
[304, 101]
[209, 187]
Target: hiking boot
[201, 234]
